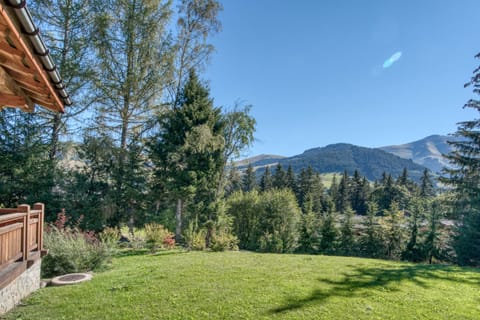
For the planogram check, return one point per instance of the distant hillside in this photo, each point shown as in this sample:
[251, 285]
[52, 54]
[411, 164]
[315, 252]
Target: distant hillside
[339, 157]
[260, 160]
[427, 151]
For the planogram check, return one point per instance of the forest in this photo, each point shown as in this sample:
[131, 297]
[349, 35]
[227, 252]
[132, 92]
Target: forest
[145, 143]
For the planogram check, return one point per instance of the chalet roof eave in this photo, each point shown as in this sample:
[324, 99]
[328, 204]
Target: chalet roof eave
[41, 51]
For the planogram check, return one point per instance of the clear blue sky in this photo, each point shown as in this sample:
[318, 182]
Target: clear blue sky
[313, 69]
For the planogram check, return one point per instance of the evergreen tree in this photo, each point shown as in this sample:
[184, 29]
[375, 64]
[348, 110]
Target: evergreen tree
[89, 191]
[266, 182]
[26, 172]
[279, 177]
[249, 179]
[309, 227]
[290, 179]
[333, 191]
[343, 197]
[390, 192]
[360, 190]
[392, 223]
[403, 179]
[384, 179]
[413, 250]
[426, 185]
[346, 232]
[431, 246]
[188, 151]
[310, 187]
[234, 180]
[371, 242]
[464, 177]
[328, 231]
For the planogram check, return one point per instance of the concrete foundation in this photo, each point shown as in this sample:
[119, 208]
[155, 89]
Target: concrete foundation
[21, 287]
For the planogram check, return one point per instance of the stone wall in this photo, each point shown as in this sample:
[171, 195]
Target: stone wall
[21, 287]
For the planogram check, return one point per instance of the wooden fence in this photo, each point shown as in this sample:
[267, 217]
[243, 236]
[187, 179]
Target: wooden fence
[21, 239]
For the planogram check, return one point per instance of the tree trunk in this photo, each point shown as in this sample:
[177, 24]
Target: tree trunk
[55, 134]
[178, 219]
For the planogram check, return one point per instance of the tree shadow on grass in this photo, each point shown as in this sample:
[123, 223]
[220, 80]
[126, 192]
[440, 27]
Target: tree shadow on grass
[357, 279]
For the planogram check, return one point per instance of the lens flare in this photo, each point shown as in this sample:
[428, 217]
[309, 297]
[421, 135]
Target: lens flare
[390, 61]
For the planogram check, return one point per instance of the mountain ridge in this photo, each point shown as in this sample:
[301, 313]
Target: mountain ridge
[371, 162]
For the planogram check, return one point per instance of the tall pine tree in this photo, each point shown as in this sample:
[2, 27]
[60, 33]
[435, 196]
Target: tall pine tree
[188, 151]
[465, 178]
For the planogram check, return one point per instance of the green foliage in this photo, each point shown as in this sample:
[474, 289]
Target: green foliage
[249, 180]
[279, 180]
[267, 221]
[26, 173]
[89, 188]
[238, 131]
[414, 250]
[109, 236]
[371, 241]
[188, 150]
[309, 232]
[464, 177]
[360, 192]
[70, 250]
[266, 182]
[223, 239]
[342, 201]
[432, 245]
[309, 189]
[328, 232]
[158, 237]
[245, 210]
[394, 233]
[194, 236]
[347, 241]
[279, 220]
[467, 240]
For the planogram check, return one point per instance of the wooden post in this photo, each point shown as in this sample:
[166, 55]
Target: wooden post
[26, 223]
[41, 218]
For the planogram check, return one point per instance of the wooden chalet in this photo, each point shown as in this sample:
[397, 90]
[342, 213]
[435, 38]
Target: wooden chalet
[28, 78]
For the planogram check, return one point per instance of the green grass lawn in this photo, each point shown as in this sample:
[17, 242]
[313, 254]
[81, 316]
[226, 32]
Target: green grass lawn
[244, 285]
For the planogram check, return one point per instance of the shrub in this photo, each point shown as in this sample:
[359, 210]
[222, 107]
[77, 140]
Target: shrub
[70, 250]
[271, 242]
[109, 237]
[158, 237]
[279, 221]
[195, 237]
[268, 221]
[223, 239]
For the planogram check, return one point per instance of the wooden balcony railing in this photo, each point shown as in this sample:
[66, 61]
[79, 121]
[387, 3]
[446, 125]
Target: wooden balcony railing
[21, 239]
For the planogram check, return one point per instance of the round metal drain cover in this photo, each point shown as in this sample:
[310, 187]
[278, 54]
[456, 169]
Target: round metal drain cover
[72, 278]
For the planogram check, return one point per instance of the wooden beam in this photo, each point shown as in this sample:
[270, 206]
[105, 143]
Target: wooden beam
[9, 86]
[31, 60]
[14, 63]
[8, 49]
[10, 100]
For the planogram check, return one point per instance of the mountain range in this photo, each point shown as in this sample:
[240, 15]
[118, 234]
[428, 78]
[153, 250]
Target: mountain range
[371, 162]
[426, 152]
